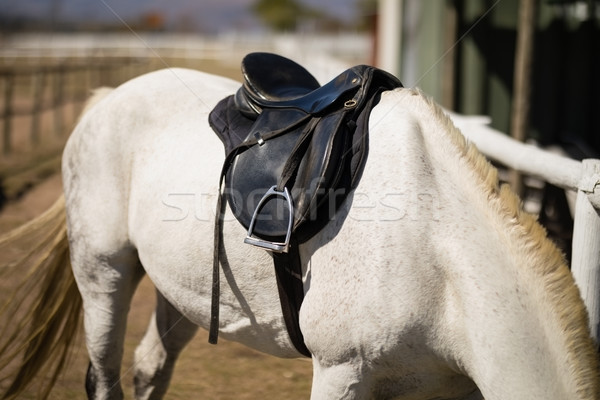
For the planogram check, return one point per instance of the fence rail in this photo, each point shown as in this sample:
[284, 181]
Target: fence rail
[29, 89]
[40, 100]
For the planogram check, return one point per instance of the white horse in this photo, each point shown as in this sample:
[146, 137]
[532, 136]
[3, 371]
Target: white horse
[430, 283]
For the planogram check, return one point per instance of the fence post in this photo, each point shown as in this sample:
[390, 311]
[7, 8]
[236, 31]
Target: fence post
[585, 264]
[519, 123]
[38, 83]
[9, 80]
[58, 100]
[80, 89]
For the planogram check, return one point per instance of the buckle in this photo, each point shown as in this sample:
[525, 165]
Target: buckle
[277, 247]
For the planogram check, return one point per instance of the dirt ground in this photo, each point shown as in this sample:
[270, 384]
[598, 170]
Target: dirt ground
[225, 371]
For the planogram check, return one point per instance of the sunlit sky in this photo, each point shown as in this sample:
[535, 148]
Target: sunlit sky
[208, 14]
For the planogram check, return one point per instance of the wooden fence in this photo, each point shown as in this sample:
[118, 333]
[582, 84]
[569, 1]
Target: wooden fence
[40, 101]
[582, 177]
[44, 84]
[31, 87]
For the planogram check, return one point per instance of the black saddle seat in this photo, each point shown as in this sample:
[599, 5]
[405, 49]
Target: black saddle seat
[273, 81]
[275, 78]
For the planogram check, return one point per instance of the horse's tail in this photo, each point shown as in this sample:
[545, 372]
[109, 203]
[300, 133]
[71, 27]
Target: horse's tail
[42, 316]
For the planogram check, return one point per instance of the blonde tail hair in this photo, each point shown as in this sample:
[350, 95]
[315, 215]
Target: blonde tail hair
[41, 318]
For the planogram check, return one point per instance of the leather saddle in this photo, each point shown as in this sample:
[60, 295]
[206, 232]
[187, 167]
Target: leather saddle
[294, 151]
[295, 148]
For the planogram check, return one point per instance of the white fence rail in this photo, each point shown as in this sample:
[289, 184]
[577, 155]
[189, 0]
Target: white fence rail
[582, 177]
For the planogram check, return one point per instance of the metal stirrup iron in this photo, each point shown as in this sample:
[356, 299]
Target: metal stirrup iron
[277, 247]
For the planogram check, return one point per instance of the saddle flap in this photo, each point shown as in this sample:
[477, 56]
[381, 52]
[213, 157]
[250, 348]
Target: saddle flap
[255, 171]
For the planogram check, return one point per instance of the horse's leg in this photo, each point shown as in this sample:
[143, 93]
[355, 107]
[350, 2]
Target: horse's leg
[107, 283]
[155, 357]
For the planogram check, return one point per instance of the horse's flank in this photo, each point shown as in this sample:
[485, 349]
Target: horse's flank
[542, 258]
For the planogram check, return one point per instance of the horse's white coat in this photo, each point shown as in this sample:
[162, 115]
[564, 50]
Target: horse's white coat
[417, 290]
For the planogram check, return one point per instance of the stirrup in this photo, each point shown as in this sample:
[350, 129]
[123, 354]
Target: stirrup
[277, 247]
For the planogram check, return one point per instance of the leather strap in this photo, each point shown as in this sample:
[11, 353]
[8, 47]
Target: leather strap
[288, 270]
[293, 162]
[213, 331]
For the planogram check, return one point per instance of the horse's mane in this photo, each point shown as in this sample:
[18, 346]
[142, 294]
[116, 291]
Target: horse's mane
[544, 258]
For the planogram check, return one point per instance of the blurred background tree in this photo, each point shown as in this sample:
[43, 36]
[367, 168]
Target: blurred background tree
[283, 15]
[367, 12]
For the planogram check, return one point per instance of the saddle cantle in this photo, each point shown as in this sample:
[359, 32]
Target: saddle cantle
[282, 81]
[295, 150]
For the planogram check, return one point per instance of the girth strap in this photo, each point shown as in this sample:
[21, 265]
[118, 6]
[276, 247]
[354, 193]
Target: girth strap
[288, 270]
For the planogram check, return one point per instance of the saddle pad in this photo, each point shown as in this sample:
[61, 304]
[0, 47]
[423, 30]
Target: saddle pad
[254, 171]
